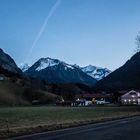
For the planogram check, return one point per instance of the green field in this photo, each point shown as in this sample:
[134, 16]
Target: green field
[31, 117]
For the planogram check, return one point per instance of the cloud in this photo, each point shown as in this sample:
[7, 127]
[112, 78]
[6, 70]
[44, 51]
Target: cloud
[44, 25]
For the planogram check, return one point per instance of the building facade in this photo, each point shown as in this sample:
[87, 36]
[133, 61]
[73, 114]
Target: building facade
[131, 98]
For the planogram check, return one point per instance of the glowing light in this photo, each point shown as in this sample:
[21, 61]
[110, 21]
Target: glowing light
[78, 99]
[133, 96]
[125, 100]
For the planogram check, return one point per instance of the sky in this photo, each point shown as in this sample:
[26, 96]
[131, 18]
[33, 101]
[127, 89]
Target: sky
[83, 32]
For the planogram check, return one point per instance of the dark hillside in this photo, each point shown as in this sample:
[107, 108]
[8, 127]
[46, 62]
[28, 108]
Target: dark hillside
[124, 78]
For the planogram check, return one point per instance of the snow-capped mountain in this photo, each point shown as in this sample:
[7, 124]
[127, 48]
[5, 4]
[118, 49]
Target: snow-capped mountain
[24, 67]
[49, 62]
[97, 73]
[56, 71]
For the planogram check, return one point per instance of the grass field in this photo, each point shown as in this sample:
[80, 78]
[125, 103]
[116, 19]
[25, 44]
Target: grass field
[26, 117]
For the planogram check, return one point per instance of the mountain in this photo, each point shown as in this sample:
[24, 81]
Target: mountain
[97, 73]
[124, 78]
[7, 64]
[17, 89]
[24, 67]
[56, 71]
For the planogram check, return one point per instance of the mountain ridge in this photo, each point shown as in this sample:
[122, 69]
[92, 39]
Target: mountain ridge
[95, 72]
[58, 71]
[8, 64]
[124, 78]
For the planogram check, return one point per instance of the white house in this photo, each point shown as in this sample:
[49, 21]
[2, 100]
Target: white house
[131, 98]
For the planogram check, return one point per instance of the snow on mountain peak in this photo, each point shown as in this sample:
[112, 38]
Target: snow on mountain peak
[49, 62]
[88, 68]
[96, 72]
[24, 67]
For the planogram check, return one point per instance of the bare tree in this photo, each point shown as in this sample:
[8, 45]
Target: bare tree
[138, 42]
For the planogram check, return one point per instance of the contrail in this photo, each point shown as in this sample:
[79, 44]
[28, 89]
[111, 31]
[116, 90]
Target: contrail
[43, 27]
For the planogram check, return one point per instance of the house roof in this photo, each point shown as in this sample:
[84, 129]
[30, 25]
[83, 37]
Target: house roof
[130, 93]
[126, 91]
[98, 95]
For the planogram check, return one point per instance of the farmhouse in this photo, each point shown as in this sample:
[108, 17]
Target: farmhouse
[89, 99]
[98, 98]
[131, 98]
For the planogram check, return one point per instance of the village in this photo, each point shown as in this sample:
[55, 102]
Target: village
[124, 97]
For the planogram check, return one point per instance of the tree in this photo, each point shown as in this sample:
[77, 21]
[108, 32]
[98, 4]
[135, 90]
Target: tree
[138, 42]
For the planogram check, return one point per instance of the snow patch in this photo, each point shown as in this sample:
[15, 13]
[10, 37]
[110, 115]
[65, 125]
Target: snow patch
[46, 63]
[24, 67]
[69, 66]
[96, 72]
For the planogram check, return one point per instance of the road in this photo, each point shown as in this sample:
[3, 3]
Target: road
[124, 129]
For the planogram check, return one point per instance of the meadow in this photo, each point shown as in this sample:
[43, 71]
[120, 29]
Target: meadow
[37, 119]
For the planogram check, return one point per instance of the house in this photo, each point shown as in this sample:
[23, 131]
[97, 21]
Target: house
[96, 98]
[131, 98]
[81, 102]
[101, 102]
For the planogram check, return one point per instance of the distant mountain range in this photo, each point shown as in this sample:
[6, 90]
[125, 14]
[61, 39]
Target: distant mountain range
[97, 73]
[126, 77]
[17, 88]
[56, 71]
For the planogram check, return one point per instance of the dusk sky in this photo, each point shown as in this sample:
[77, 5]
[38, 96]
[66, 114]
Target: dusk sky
[83, 32]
